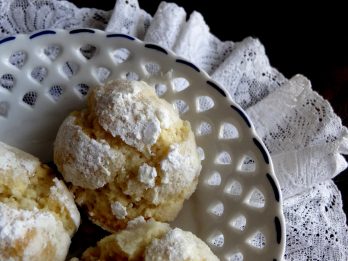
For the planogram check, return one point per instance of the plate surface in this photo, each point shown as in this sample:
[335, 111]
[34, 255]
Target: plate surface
[237, 206]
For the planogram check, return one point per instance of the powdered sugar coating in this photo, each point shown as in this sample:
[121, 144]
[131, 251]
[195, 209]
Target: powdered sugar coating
[132, 111]
[16, 165]
[180, 168]
[136, 222]
[38, 233]
[119, 210]
[178, 245]
[60, 193]
[180, 159]
[147, 175]
[84, 161]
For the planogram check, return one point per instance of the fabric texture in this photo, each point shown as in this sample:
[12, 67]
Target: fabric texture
[305, 137]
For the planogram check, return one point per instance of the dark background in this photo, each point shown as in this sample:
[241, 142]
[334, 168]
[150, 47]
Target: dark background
[311, 40]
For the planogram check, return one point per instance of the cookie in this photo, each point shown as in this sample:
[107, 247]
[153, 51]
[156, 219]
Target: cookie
[38, 215]
[150, 240]
[128, 154]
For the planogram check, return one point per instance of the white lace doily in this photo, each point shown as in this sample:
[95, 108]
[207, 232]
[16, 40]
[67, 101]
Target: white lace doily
[304, 136]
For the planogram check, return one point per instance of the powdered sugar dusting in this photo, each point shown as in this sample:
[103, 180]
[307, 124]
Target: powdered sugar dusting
[20, 164]
[136, 222]
[147, 175]
[119, 210]
[178, 245]
[60, 193]
[181, 166]
[164, 118]
[132, 111]
[42, 228]
[87, 162]
[155, 195]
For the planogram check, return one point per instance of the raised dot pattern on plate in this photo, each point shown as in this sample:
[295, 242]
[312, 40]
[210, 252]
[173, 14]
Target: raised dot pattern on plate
[236, 186]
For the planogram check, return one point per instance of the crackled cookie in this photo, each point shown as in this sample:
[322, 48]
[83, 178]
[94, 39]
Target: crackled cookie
[128, 154]
[150, 240]
[38, 215]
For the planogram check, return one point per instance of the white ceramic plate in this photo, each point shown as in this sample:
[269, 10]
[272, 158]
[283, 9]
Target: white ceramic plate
[237, 206]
